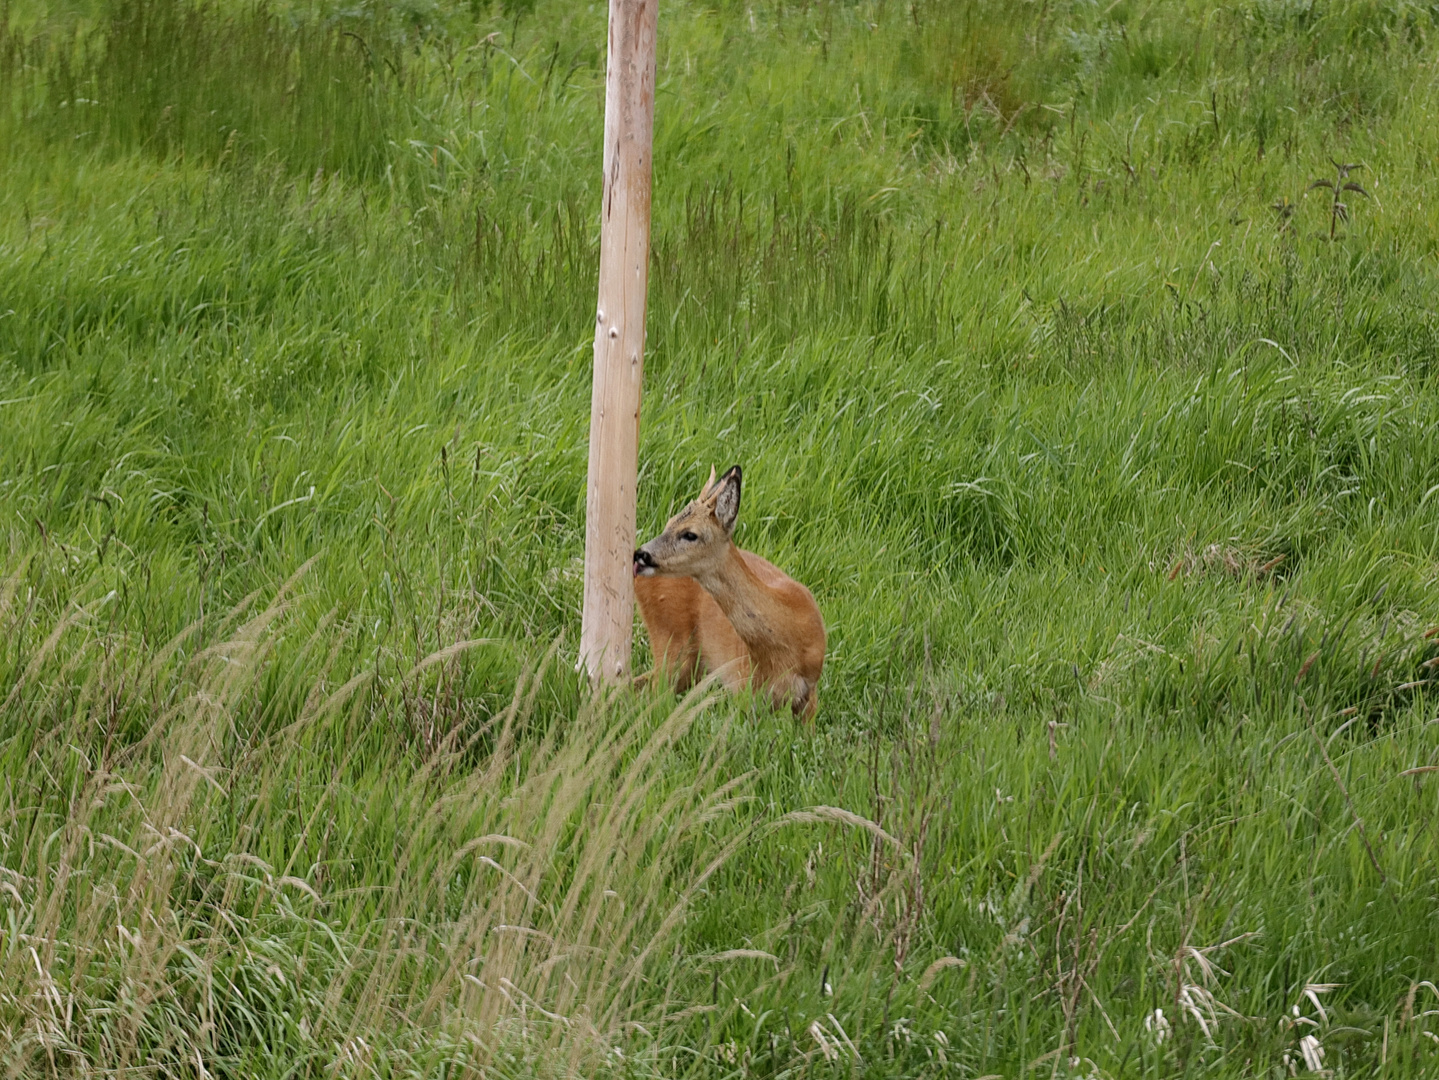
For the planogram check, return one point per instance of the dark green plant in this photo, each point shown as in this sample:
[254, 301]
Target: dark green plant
[1338, 208]
[1284, 214]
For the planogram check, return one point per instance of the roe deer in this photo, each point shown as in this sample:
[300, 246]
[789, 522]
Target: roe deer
[710, 607]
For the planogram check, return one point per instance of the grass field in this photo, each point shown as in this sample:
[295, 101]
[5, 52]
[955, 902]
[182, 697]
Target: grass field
[1105, 442]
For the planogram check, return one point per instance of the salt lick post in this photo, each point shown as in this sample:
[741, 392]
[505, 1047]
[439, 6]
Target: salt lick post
[608, 620]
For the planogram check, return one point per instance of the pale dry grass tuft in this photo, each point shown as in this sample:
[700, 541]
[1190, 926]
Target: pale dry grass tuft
[516, 914]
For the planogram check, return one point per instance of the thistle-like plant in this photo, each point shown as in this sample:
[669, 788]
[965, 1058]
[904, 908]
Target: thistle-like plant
[1338, 208]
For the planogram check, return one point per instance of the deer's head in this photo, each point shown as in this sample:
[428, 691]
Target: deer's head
[697, 537]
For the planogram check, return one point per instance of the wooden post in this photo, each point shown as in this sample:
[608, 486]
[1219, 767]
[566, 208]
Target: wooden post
[608, 621]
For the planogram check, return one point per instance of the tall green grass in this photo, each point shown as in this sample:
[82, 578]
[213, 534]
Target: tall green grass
[1113, 475]
[521, 866]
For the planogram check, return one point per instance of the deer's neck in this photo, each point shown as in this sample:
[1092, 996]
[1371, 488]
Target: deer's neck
[749, 604]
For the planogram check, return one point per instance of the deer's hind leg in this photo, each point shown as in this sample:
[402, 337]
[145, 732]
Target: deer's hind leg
[796, 693]
[807, 706]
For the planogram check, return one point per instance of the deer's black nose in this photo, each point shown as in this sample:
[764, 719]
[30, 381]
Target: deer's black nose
[643, 558]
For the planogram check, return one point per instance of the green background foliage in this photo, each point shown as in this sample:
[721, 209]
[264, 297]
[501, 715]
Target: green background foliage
[1112, 471]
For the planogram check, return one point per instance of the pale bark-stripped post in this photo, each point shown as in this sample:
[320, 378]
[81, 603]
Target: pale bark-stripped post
[607, 624]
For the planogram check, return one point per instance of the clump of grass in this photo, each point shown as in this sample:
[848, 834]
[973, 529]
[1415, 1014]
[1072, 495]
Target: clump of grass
[513, 894]
[174, 78]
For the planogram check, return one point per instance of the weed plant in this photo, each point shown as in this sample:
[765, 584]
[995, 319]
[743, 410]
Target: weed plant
[1115, 485]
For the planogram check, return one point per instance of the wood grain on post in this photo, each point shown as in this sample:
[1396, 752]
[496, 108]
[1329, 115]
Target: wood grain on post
[608, 621]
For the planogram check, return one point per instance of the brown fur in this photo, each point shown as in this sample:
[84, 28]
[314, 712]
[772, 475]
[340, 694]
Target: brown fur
[711, 607]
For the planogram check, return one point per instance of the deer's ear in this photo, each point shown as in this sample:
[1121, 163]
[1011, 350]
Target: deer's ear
[726, 499]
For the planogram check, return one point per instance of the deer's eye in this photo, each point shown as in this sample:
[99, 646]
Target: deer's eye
[689, 536]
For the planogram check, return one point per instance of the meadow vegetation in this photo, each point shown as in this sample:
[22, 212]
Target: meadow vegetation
[1105, 441]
